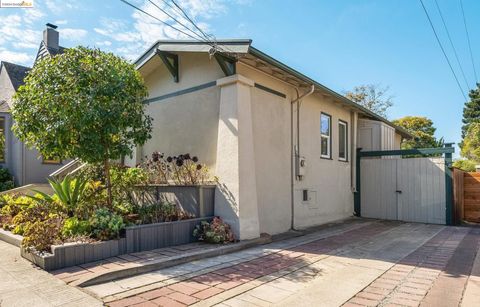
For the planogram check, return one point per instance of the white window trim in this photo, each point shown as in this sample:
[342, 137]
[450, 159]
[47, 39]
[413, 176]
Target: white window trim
[345, 124]
[328, 136]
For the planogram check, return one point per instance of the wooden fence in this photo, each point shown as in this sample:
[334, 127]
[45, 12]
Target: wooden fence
[466, 193]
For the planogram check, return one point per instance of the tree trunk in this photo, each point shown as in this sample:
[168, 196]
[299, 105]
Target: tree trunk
[106, 167]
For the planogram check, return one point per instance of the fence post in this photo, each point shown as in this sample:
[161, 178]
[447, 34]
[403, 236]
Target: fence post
[448, 186]
[356, 196]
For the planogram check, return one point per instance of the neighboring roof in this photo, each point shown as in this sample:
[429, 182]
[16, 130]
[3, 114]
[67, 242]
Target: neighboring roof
[16, 73]
[4, 107]
[43, 50]
[244, 49]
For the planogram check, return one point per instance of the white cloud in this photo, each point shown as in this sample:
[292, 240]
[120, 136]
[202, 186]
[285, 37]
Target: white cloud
[59, 6]
[61, 22]
[15, 57]
[147, 30]
[104, 43]
[32, 15]
[73, 34]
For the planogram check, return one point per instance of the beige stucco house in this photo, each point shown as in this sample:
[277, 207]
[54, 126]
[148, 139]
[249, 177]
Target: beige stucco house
[282, 144]
[26, 165]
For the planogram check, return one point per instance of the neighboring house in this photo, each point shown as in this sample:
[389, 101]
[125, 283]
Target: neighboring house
[27, 166]
[282, 163]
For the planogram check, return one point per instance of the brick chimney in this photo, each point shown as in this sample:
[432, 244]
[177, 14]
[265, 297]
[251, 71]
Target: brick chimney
[51, 36]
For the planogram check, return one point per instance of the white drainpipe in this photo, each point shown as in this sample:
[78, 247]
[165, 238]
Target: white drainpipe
[295, 155]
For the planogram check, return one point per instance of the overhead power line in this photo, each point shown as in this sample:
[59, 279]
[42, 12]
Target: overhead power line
[451, 44]
[158, 19]
[443, 50]
[176, 20]
[190, 19]
[195, 36]
[468, 40]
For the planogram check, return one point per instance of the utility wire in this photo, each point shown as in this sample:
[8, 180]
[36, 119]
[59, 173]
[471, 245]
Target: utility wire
[158, 19]
[190, 19]
[443, 50]
[176, 20]
[451, 44]
[468, 40]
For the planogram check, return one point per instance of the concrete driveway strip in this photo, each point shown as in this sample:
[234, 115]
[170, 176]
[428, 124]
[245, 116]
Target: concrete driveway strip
[22, 284]
[348, 271]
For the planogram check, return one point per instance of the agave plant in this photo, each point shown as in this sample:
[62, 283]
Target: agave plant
[69, 192]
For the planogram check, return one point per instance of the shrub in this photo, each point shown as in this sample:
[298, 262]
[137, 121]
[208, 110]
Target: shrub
[216, 232]
[73, 227]
[465, 165]
[69, 193]
[6, 180]
[12, 206]
[42, 234]
[106, 225]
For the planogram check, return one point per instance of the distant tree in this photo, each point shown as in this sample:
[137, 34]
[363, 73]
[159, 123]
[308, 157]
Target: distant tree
[471, 143]
[422, 129]
[373, 97]
[84, 104]
[471, 111]
[465, 165]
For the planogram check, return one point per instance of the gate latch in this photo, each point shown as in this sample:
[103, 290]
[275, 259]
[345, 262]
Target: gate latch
[398, 191]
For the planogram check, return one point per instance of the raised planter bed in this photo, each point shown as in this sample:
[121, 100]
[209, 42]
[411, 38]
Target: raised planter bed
[137, 239]
[198, 200]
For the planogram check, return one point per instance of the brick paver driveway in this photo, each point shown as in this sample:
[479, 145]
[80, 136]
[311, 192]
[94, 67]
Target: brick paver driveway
[357, 263]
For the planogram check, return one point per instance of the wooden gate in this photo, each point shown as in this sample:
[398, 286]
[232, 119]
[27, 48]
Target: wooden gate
[407, 189]
[410, 190]
[467, 196]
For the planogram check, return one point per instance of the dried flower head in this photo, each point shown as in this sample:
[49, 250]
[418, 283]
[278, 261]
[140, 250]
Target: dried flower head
[199, 167]
[195, 159]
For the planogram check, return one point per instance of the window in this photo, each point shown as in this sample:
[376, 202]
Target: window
[325, 136]
[3, 142]
[342, 141]
[51, 160]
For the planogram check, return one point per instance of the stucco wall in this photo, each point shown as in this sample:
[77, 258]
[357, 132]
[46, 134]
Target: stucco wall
[186, 123]
[328, 181]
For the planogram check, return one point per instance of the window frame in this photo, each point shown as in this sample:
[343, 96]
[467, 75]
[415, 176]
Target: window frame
[51, 161]
[345, 124]
[3, 131]
[329, 136]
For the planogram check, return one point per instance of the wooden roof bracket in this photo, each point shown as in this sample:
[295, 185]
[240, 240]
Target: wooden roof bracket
[171, 62]
[227, 64]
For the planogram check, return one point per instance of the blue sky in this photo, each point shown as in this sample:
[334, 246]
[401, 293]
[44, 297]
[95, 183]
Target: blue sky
[341, 44]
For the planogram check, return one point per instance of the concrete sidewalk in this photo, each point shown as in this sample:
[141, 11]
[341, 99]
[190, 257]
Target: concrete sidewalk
[23, 284]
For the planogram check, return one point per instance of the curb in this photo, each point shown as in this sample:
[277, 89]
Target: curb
[128, 272]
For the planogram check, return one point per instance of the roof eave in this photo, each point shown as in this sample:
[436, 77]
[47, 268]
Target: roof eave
[265, 57]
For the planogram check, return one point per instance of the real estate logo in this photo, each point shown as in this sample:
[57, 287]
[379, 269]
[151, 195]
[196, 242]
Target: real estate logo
[16, 4]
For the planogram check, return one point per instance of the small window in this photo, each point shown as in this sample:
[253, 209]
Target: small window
[342, 141]
[3, 143]
[325, 136]
[51, 160]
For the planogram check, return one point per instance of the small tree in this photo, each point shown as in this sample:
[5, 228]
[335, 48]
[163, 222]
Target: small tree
[422, 129]
[84, 104]
[471, 143]
[471, 111]
[372, 97]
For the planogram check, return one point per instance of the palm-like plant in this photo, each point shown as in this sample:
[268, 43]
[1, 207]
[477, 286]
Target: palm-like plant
[69, 192]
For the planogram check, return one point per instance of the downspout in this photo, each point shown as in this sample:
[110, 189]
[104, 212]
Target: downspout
[295, 152]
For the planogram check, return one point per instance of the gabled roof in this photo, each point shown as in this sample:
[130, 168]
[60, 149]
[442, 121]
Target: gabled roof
[43, 51]
[16, 73]
[243, 50]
